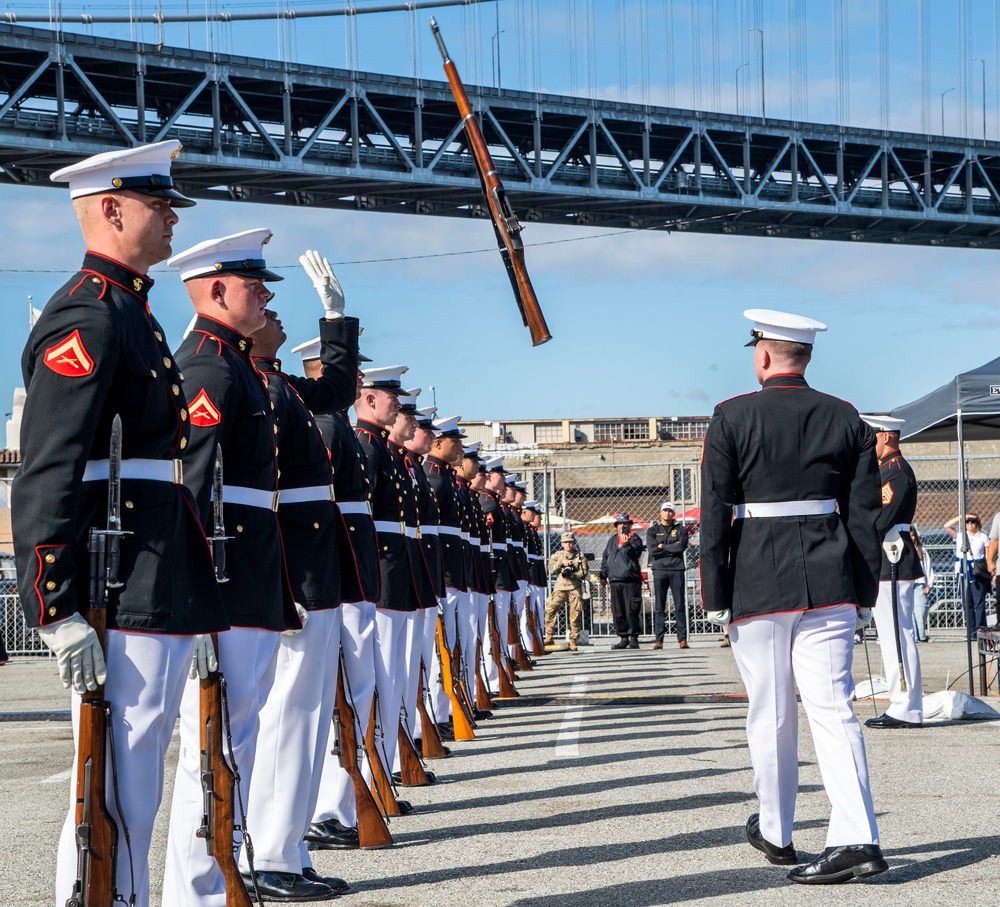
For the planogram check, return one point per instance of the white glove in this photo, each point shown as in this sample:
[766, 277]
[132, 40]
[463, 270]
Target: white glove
[303, 619]
[719, 617]
[326, 283]
[864, 618]
[78, 651]
[203, 661]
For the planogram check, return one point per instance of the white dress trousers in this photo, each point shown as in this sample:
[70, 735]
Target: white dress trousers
[501, 609]
[467, 634]
[295, 729]
[335, 799]
[414, 649]
[517, 603]
[390, 678]
[146, 679]
[247, 658]
[813, 649]
[435, 699]
[480, 613]
[908, 706]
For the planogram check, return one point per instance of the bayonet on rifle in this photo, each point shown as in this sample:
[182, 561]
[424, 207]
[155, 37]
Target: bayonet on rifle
[219, 537]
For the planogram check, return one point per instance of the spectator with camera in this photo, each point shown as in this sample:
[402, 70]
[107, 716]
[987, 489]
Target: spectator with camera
[667, 540]
[620, 564]
[978, 571]
[569, 566]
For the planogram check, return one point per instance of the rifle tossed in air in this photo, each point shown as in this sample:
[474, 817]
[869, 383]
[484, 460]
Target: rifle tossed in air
[505, 222]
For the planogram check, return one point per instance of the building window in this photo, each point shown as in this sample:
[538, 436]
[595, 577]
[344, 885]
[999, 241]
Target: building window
[681, 429]
[683, 488]
[633, 430]
[548, 432]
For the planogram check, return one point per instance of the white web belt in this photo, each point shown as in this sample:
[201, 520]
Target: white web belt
[784, 508]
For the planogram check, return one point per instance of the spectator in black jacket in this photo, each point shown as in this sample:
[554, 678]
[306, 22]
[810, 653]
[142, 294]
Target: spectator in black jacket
[667, 540]
[620, 564]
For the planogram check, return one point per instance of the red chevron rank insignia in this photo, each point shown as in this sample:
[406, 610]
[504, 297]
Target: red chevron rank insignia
[887, 494]
[70, 358]
[203, 412]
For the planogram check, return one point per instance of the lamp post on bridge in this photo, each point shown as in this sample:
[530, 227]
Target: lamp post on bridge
[763, 108]
[981, 60]
[943, 93]
[738, 68]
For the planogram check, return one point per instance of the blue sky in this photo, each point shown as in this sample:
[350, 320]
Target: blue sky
[644, 323]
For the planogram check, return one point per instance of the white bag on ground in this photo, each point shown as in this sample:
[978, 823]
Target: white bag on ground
[950, 705]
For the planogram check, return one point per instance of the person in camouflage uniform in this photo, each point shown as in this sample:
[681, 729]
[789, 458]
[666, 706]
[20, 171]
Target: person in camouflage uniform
[569, 566]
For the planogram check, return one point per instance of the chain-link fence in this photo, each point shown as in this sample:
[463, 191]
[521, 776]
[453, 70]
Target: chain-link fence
[586, 499]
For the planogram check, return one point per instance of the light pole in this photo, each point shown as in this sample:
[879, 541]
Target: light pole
[763, 108]
[943, 93]
[434, 394]
[981, 60]
[738, 68]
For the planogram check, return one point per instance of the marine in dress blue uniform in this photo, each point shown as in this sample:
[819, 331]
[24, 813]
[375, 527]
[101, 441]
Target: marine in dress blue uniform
[97, 351]
[229, 406]
[899, 504]
[789, 550]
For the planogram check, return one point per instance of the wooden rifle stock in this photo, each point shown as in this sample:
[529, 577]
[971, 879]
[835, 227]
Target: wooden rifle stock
[381, 785]
[372, 829]
[483, 700]
[460, 721]
[461, 687]
[537, 646]
[218, 783]
[96, 831]
[505, 222]
[505, 672]
[430, 738]
[514, 639]
[411, 769]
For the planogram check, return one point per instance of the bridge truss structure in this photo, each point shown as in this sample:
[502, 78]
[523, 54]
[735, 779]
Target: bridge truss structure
[283, 133]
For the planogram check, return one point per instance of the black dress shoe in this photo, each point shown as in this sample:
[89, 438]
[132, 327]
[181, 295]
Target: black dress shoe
[398, 779]
[481, 714]
[288, 886]
[633, 644]
[331, 835]
[840, 864]
[621, 645]
[338, 885]
[405, 807]
[886, 720]
[779, 856]
[446, 731]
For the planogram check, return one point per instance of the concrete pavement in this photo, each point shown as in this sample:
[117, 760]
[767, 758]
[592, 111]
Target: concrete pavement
[618, 778]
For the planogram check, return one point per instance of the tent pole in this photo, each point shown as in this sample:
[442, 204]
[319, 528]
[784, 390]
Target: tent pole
[963, 581]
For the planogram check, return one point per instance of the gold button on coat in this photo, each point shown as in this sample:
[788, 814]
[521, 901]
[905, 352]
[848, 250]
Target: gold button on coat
[50, 558]
[50, 585]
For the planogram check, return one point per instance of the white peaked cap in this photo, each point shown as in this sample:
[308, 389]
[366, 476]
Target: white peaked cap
[472, 448]
[408, 400]
[510, 478]
[771, 325]
[386, 378]
[309, 349]
[521, 485]
[883, 423]
[532, 505]
[495, 464]
[428, 412]
[449, 427]
[238, 253]
[145, 169]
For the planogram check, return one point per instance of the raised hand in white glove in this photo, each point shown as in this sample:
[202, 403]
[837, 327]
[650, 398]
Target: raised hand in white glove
[326, 283]
[303, 619]
[203, 660]
[78, 651]
[864, 618]
[719, 617]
